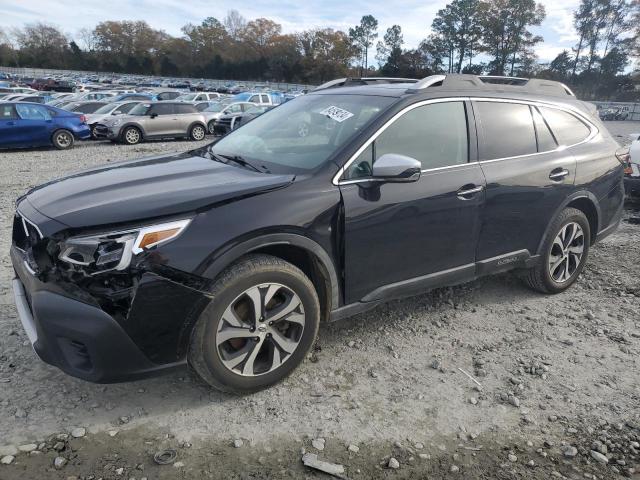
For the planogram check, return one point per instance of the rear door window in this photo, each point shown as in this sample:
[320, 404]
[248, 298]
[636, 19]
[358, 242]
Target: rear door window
[567, 129]
[506, 130]
[32, 112]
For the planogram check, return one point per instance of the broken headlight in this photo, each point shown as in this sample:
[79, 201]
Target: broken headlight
[114, 251]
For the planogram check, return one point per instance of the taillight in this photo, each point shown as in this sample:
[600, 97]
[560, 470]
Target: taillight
[83, 118]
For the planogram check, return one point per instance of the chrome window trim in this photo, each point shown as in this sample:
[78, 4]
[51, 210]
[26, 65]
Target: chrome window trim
[571, 110]
[372, 138]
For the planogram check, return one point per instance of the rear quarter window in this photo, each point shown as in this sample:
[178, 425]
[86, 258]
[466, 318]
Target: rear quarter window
[567, 128]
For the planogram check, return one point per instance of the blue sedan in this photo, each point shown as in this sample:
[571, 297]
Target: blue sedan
[33, 125]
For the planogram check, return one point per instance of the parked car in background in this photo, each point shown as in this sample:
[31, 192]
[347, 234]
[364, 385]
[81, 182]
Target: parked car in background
[83, 97]
[198, 97]
[32, 125]
[84, 107]
[50, 84]
[107, 111]
[154, 120]
[236, 117]
[250, 114]
[631, 158]
[26, 98]
[167, 95]
[613, 113]
[260, 98]
[143, 97]
[217, 110]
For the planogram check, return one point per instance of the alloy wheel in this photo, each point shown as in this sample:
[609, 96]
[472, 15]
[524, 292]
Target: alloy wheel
[566, 252]
[260, 329]
[198, 133]
[64, 139]
[132, 136]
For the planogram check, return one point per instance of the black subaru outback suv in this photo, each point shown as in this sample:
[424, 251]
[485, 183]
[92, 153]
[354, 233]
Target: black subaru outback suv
[227, 258]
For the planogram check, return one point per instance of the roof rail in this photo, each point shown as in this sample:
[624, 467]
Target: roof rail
[532, 85]
[354, 81]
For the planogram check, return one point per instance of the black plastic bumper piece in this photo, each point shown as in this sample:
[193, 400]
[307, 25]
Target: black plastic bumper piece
[81, 339]
[632, 186]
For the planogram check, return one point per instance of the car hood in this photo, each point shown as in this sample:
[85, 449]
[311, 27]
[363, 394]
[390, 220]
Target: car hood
[96, 117]
[142, 189]
[111, 119]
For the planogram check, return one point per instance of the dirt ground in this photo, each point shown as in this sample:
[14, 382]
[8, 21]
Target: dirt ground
[559, 377]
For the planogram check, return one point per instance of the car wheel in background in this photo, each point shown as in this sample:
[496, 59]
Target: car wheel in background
[564, 253]
[62, 139]
[211, 128]
[197, 133]
[260, 326]
[131, 136]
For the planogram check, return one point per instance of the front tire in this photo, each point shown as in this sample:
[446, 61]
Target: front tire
[258, 328]
[62, 139]
[564, 253]
[197, 133]
[131, 136]
[211, 127]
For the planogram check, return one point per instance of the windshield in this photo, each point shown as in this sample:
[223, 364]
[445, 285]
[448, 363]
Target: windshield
[214, 107]
[140, 109]
[303, 133]
[187, 97]
[105, 108]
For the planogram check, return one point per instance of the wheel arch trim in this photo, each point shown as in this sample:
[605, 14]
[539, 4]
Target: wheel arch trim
[582, 194]
[268, 240]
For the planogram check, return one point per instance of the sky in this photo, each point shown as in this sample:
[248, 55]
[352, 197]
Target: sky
[414, 16]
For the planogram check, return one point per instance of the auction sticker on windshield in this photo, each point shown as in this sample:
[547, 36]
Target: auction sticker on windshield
[336, 113]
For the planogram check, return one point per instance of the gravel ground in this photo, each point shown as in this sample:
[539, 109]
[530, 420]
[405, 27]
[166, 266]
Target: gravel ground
[557, 392]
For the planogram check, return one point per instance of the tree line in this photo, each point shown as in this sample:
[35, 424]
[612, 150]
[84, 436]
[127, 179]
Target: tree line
[493, 37]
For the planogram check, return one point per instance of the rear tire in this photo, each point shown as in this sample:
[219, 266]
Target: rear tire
[564, 253]
[197, 133]
[260, 325]
[131, 136]
[62, 139]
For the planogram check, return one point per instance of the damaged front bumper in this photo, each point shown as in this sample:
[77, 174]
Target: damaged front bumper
[72, 331]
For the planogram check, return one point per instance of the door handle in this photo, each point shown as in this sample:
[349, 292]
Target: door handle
[558, 174]
[467, 193]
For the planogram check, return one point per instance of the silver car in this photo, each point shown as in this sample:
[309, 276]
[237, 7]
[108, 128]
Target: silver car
[153, 120]
[217, 110]
[109, 110]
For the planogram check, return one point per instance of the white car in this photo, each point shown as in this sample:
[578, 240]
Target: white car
[198, 97]
[632, 170]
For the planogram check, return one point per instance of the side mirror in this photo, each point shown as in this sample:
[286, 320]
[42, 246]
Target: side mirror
[153, 115]
[117, 112]
[394, 167]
